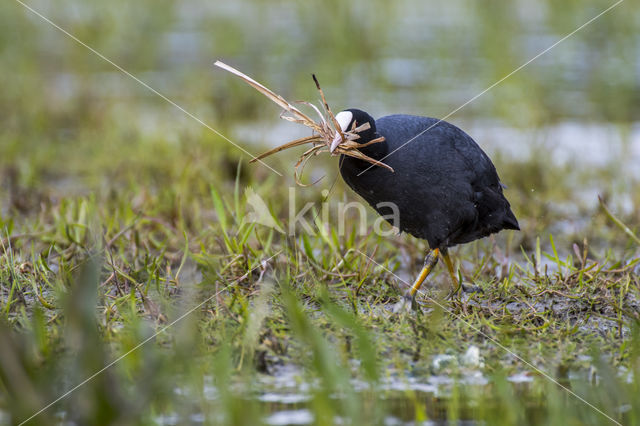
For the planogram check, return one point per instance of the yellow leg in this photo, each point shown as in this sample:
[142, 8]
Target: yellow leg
[452, 273]
[429, 262]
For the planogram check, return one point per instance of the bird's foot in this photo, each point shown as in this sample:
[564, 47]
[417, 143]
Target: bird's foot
[465, 288]
[471, 289]
[406, 303]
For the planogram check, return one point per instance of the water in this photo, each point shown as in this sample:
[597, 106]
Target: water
[286, 393]
[589, 145]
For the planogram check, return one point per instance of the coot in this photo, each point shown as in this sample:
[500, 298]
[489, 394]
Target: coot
[445, 188]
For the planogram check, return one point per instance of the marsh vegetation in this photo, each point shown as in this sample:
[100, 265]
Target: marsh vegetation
[126, 237]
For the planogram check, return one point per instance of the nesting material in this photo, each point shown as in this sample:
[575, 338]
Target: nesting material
[324, 131]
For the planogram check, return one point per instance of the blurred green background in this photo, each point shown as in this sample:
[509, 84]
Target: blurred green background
[94, 166]
[73, 122]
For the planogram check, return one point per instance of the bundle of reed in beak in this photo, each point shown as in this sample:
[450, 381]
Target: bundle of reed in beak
[324, 131]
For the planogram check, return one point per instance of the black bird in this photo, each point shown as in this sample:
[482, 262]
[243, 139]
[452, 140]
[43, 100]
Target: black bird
[445, 188]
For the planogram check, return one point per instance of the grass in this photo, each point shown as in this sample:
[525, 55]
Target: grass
[86, 278]
[125, 231]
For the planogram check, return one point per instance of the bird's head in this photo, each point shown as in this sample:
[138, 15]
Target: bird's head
[346, 120]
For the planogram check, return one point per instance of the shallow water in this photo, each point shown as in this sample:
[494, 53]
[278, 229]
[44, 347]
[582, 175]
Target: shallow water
[286, 393]
[589, 145]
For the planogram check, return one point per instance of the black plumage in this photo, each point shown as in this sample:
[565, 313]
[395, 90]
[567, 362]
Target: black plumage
[446, 188]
